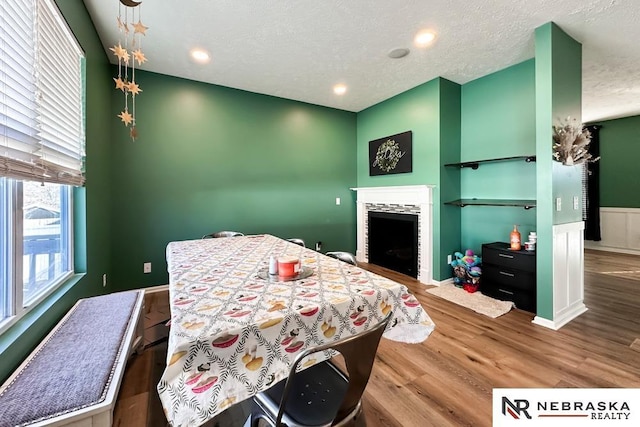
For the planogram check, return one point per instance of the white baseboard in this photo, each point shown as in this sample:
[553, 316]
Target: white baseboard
[160, 288]
[441, 282]
[598, 246]
[556, 324]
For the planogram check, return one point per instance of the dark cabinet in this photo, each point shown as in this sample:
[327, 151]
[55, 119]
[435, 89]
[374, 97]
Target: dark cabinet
[509, 275]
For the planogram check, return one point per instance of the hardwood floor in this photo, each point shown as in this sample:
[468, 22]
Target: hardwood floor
[448, 379]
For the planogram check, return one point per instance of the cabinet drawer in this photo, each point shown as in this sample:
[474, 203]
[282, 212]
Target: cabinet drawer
[493, 275]
[524, 300]
[500, 254]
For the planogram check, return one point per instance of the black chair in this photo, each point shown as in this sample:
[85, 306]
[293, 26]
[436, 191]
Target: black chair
[322, 395]
[222, 234]
[297, 242]
[347, 257]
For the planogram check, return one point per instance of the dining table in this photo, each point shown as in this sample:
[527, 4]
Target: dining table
[236, 329]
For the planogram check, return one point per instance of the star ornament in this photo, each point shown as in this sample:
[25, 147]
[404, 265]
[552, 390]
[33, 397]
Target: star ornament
[121, 24]
[125, 57]
[120, 52]
[120, 84]
[139, 56]
[139, 28]
[126, 117]
[134, 88]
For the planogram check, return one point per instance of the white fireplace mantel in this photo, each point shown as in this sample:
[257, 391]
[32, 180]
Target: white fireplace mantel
[414, 195]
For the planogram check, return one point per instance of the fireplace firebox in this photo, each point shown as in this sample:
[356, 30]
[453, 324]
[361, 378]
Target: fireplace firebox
[393, 241]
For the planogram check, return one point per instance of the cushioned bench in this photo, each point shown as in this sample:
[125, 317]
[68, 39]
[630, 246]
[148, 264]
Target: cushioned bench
[72, 378]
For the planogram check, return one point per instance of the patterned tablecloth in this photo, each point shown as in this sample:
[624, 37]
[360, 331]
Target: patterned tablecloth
[234, 334]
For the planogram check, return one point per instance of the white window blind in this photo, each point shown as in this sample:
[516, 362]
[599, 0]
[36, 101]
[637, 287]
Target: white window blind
[42, 123]
[18, 125]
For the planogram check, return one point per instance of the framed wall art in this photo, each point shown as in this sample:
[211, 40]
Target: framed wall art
[391, 154]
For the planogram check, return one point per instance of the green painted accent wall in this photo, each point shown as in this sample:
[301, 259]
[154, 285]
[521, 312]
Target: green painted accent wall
[211, 158]
[92, 203]
[566, 102]
[498, 120]
[449, 226]
[558, 95]
[417, 110]
[619, 151]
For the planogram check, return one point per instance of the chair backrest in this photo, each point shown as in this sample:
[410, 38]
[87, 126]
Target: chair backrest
[222, 234]
[347, 257]
[297, 241]
[359, 353]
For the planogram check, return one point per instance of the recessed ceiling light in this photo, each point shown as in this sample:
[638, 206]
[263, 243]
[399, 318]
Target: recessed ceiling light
[400, 52]
[339, 89]
[424, 38]
[200, 56]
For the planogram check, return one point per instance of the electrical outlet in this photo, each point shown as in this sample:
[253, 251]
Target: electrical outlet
[318, 246]
[147, 267]
[338, 201]
[558, 204]
[576, 203]
[104, 280]
[449, 259]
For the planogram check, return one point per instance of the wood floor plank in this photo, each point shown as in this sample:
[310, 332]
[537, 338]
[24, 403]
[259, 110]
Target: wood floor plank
[137, 381]
[131, 411]
[448, 380]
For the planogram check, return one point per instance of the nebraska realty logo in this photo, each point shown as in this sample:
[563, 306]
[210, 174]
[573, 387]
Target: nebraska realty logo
[574, 407]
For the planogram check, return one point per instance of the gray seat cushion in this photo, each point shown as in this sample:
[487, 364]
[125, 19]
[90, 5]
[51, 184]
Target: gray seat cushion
[74, 368]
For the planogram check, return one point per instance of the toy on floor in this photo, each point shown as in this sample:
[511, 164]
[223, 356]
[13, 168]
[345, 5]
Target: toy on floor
[467, 271]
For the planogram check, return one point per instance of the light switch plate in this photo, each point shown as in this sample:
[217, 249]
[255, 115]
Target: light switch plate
[576, 203]
[558, 204]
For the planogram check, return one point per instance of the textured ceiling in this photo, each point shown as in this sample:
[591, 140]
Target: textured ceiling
[300, 49]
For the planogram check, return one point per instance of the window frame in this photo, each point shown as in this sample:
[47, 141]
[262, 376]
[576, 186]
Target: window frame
[13, 191]
[12, 258]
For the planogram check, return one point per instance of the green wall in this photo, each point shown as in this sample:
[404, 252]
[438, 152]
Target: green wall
[92, 203]
[419, 110]
[211, 158]
[619, 151]
[498, 120]
[448, 231]
[558, 95]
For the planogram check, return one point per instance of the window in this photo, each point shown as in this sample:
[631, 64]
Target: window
[41, 152]
[46, 234]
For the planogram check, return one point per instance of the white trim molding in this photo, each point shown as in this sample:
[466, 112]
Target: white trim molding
[419, 196]
[620, 229]
[568, 275]
[448, 281]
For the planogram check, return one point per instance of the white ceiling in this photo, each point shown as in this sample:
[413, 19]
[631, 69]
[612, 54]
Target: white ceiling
[299, 49]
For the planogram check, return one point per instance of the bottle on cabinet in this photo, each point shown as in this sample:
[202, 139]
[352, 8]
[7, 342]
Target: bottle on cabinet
[515, 239]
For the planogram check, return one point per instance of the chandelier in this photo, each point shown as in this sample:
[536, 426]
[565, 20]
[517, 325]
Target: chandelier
[129, 54]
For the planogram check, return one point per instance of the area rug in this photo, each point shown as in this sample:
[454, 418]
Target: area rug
[475, 301]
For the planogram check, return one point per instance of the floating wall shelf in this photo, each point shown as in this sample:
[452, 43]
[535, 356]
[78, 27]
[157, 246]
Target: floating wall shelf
[527, 204]
[474, 164]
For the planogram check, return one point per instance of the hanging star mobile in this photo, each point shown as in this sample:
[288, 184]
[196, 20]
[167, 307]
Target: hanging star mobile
[130, 28]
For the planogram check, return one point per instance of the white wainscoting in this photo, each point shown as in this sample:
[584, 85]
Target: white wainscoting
[620, 229]
[568, 275]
